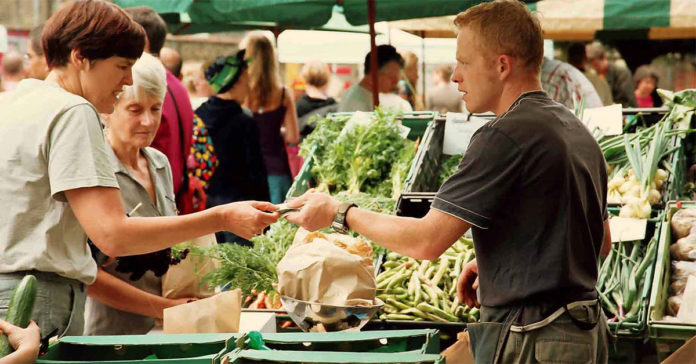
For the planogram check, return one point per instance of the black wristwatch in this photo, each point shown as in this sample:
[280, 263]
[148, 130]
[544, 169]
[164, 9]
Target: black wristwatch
[339, 223]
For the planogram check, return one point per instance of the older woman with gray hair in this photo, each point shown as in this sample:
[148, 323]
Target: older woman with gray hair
[126, 297]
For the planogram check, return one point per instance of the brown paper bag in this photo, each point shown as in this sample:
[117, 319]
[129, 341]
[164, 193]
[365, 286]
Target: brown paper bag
[217, 314]
[321, 271]
[183, 280]
[685, 354]
[460, 351]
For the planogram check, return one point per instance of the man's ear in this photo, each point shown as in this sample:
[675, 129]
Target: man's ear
[503, 66]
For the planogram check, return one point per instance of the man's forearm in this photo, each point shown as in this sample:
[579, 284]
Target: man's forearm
[425, 238]
[398, 234]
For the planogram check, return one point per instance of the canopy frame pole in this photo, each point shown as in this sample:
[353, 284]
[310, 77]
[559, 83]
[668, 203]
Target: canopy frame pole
[422, 34]
[373, 53]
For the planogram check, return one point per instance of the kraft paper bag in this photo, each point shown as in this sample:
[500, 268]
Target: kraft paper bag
[217, 314]
[328, 268]
[183, 280]
[460, 351]
[685, 354]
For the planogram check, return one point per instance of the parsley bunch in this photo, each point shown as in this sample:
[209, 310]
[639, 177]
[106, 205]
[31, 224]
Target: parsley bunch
[362, 157]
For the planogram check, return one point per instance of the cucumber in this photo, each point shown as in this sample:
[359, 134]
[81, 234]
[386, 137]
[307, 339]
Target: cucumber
[20, 309]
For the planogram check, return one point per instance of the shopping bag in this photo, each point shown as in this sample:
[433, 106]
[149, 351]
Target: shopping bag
[183, 280]
[217, 314]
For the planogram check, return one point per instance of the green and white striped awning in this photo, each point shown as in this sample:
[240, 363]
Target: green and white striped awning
[570, 19]
[582, 19]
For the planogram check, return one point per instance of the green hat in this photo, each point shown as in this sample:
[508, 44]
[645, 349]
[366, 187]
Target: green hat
[225, 71]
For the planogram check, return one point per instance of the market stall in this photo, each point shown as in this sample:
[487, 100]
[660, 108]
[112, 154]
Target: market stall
[356, 301]
[373, 159]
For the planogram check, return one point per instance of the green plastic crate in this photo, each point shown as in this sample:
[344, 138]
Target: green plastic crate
[267, 356]
[389, 341]
[304, 180]
[637, 330]
[124, 349]
[417, 121]
[211, 348]
[424, 175]
[678, 176]
[668, 336]
[404, 346]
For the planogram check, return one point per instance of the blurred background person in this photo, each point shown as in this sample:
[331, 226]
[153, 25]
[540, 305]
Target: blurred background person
[389, 66]
[298, 87]
[443, 96]
[171, 59]
[174, 134]
[577, 57]
[567, 85]
[12, 70]
[646, 80]
[241, 173]
[196, 85]
[274, 110]
[121, 301]
[618, 77]
[35, 66]
[408, 85]
[315, 101]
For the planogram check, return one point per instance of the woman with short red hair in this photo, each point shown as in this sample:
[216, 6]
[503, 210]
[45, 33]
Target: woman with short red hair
[58, 186]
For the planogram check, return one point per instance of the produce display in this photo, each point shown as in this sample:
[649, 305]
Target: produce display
[683, 252]
[424, 290]
[622, 277]
[449, 166]
[639, 163]
[368, 156]
[365, 158]
[362, 162]
[635, 181]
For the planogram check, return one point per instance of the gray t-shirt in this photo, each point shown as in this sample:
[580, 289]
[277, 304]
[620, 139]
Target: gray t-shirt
[357, 98]
[101, 319]
[567, 85]
[52, 141]
[444, 98]
[533, 184]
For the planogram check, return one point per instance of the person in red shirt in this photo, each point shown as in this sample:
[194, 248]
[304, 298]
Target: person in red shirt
[645, 79]
[171, 139]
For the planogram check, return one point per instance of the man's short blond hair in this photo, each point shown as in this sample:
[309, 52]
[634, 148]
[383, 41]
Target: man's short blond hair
[506, 27]
[315, 73]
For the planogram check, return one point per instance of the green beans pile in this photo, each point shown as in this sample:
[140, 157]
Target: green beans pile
[424, 290]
